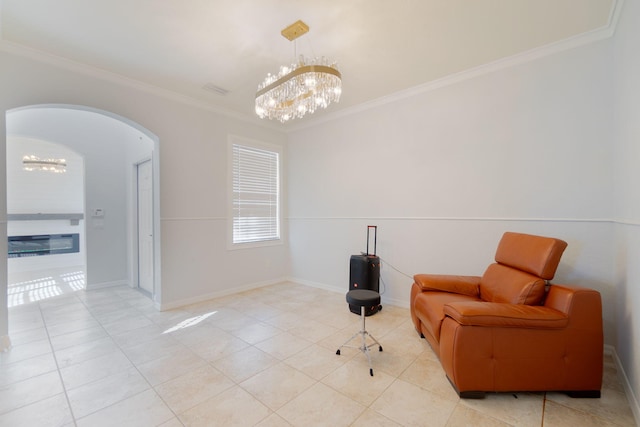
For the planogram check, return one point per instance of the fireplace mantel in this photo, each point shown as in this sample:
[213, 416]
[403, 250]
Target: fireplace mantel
[44, 216]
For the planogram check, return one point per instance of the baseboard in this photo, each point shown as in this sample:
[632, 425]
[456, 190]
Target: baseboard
[317, 285]
[94, 286]
[5, 343]
[395, 302]
[385, 299]
[631, 397]
[223, 293]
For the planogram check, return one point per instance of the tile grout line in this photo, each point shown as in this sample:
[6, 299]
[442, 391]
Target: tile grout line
[55, 359]
[81, 301]
[366, 407]
[279, 362]
[131, 300]
[210, 363]
[151, 387]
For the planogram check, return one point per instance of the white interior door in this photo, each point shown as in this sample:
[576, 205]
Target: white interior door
[145, 226]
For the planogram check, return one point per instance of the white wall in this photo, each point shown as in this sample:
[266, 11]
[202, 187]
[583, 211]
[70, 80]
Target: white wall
[444, 173]
[627, 196]
[33, 191]
[193, 171]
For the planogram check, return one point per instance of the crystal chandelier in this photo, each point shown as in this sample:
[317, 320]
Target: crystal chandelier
[299, 88]
[34, 163]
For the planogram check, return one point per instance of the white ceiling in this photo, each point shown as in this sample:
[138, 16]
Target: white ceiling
[381, 46]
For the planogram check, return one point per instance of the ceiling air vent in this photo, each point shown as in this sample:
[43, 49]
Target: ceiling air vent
[210, 87]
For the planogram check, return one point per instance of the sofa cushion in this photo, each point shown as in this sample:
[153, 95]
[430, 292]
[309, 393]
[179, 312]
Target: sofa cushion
[429, 307]
[490, 314]
[505, 284]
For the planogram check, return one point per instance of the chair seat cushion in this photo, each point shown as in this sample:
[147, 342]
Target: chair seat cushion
[363, 297]
[429, 307]
[497, 314]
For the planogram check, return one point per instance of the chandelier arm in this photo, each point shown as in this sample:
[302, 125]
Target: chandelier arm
[298, 71]
[286, 104]
[44, 162]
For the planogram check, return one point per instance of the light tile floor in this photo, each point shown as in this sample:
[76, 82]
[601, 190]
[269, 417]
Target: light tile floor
[260, 358]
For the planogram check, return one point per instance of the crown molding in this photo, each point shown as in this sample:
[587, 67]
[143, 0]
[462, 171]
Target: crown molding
[583, 39]
[602, 33]
[78, 67]
[614, 16]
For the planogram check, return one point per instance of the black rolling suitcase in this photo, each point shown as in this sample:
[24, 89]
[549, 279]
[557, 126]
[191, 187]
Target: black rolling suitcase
[364, 273]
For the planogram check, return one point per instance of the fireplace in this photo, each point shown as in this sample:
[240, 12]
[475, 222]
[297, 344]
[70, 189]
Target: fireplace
[44, 244]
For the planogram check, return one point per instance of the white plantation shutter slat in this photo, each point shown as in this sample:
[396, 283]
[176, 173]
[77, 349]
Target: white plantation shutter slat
[256, 194]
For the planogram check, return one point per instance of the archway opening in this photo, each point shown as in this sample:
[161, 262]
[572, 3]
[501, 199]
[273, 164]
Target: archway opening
[45, 227]
[110, 148]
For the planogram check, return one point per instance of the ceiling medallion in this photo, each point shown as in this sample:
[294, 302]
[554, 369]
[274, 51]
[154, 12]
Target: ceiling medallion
[299, 88]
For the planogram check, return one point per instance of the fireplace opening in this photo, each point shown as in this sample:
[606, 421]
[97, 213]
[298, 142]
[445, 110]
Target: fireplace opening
[44, 244]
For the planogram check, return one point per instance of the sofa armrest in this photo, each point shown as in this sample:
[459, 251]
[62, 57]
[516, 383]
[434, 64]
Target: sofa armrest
[464, 285]
[495, 314]
[583, 306]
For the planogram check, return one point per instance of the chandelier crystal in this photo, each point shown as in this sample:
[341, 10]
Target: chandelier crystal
[34, 163]
[299, 88]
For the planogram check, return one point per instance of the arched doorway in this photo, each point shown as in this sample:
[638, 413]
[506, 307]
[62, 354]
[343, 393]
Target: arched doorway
[112, 148]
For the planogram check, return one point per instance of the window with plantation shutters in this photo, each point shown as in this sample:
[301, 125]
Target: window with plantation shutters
[256, 193]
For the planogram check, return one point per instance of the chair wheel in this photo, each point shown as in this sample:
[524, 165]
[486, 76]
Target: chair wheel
[380, 349]
[371, 371]
[338, 352]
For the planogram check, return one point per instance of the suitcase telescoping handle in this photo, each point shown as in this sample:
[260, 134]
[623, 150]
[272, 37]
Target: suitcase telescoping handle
[375, 238]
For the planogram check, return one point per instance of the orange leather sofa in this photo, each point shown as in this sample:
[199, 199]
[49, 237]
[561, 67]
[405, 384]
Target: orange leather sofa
[509, 330]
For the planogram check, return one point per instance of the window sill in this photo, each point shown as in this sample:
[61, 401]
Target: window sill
[252, 245]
